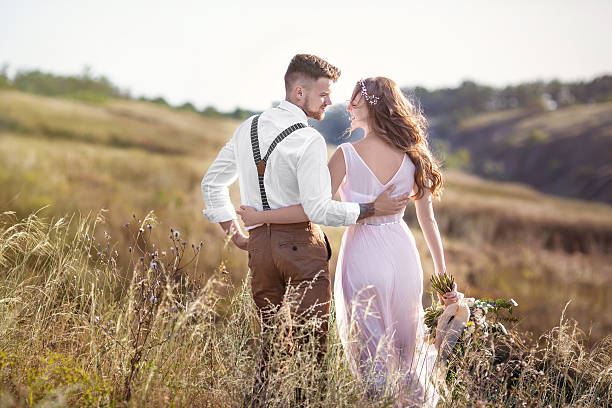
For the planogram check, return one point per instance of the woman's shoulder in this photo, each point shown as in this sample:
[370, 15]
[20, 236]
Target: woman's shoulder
[343, 147]
[346, 144]
[339, 151]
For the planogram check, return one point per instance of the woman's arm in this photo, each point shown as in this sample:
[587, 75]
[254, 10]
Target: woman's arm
[285, 215]
[429, 226]
[427, 221]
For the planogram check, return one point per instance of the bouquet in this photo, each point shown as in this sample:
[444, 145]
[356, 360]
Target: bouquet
[466, 320]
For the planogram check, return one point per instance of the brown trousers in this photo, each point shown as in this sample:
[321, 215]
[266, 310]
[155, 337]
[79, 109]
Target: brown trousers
[289, 262]
[292, 259]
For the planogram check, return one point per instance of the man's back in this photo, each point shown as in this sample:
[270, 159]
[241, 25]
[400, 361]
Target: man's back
[296, 171]
[281, 181]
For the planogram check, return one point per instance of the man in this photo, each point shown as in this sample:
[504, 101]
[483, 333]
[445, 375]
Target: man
[291, 169]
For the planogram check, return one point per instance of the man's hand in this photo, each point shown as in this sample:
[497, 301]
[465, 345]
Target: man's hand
[238, 238]
[387, 205]
[249, 215]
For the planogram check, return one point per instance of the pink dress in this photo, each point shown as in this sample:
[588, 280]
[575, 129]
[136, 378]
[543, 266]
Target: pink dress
[378, 289]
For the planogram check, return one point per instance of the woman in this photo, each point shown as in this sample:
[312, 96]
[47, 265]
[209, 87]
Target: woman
[379, 279]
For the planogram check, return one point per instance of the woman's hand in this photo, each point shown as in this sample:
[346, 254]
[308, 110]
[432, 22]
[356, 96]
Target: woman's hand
[250, 216]
[450, 297]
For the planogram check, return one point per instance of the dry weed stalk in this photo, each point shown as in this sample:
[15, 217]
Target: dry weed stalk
[76, 327]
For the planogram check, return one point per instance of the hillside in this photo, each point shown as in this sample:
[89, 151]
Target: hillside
[122, 156]
[501, 239]
[565, 152]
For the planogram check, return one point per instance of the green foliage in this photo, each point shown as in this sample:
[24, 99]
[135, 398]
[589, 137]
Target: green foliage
[158, 100]
[537, 136]
[211, 111]
[57, 373]
[494, 169]
[4, 79]
[470, 98]
[85, 86]
[460, 159]
[240, 114]
[585, 172]
[188, 106]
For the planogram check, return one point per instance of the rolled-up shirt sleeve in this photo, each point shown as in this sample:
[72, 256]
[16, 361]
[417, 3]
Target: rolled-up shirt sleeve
[315, 188]
[221, 174]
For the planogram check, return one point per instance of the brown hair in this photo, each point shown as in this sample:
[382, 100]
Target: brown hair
[401, 123]
[310, 66]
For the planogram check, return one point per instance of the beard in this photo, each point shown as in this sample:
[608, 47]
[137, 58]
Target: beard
[317, 113]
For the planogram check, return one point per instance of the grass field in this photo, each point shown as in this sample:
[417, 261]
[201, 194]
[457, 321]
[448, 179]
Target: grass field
[64, 159]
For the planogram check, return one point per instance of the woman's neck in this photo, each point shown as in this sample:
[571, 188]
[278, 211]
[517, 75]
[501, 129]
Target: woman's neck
[366, 132]
[371, 136]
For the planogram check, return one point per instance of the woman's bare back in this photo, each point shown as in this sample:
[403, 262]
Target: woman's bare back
[383, 160]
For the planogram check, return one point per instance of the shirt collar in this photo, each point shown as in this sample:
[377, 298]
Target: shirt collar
[294, 109]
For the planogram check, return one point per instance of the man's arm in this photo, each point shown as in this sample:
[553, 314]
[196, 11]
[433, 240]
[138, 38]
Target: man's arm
[295, 213]
[215, 192]
[316, 197]
[383, 205]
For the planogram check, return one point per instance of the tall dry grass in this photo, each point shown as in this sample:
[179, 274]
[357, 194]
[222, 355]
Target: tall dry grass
[76, 329]
[69, 157]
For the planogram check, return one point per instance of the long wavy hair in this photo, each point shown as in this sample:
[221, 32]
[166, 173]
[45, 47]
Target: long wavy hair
[401, 123]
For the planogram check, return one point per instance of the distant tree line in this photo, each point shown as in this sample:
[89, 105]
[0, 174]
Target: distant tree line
[471, 98]
[447, 104]
[209, 111]
[86, 85]
[93, 88]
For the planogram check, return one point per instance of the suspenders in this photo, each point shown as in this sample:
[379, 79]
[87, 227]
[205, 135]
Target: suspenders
[261, 162]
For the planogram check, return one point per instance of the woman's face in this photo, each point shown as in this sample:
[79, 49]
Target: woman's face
[358, 111]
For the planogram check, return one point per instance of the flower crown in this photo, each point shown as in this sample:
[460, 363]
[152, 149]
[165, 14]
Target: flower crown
[373, 100]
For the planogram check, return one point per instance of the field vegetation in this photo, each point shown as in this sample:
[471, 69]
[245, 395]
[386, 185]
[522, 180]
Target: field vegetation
[86, 320]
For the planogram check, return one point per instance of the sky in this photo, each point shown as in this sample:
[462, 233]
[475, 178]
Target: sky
[228, 57]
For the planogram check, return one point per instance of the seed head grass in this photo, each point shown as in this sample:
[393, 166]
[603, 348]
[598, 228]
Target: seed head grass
[76, 329]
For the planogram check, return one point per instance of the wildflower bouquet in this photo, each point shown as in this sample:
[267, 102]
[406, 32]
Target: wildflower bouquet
[468, 319]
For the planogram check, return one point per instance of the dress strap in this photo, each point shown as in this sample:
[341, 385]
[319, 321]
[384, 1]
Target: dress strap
[346, 150]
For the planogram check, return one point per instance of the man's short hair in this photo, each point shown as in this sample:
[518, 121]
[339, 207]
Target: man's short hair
[310, 66]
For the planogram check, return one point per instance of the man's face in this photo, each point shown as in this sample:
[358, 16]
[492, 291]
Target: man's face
[316, 98]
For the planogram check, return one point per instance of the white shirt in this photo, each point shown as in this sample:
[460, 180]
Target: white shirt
[296, 171]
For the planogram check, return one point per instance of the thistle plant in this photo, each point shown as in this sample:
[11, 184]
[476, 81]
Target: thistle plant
[159, 291]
